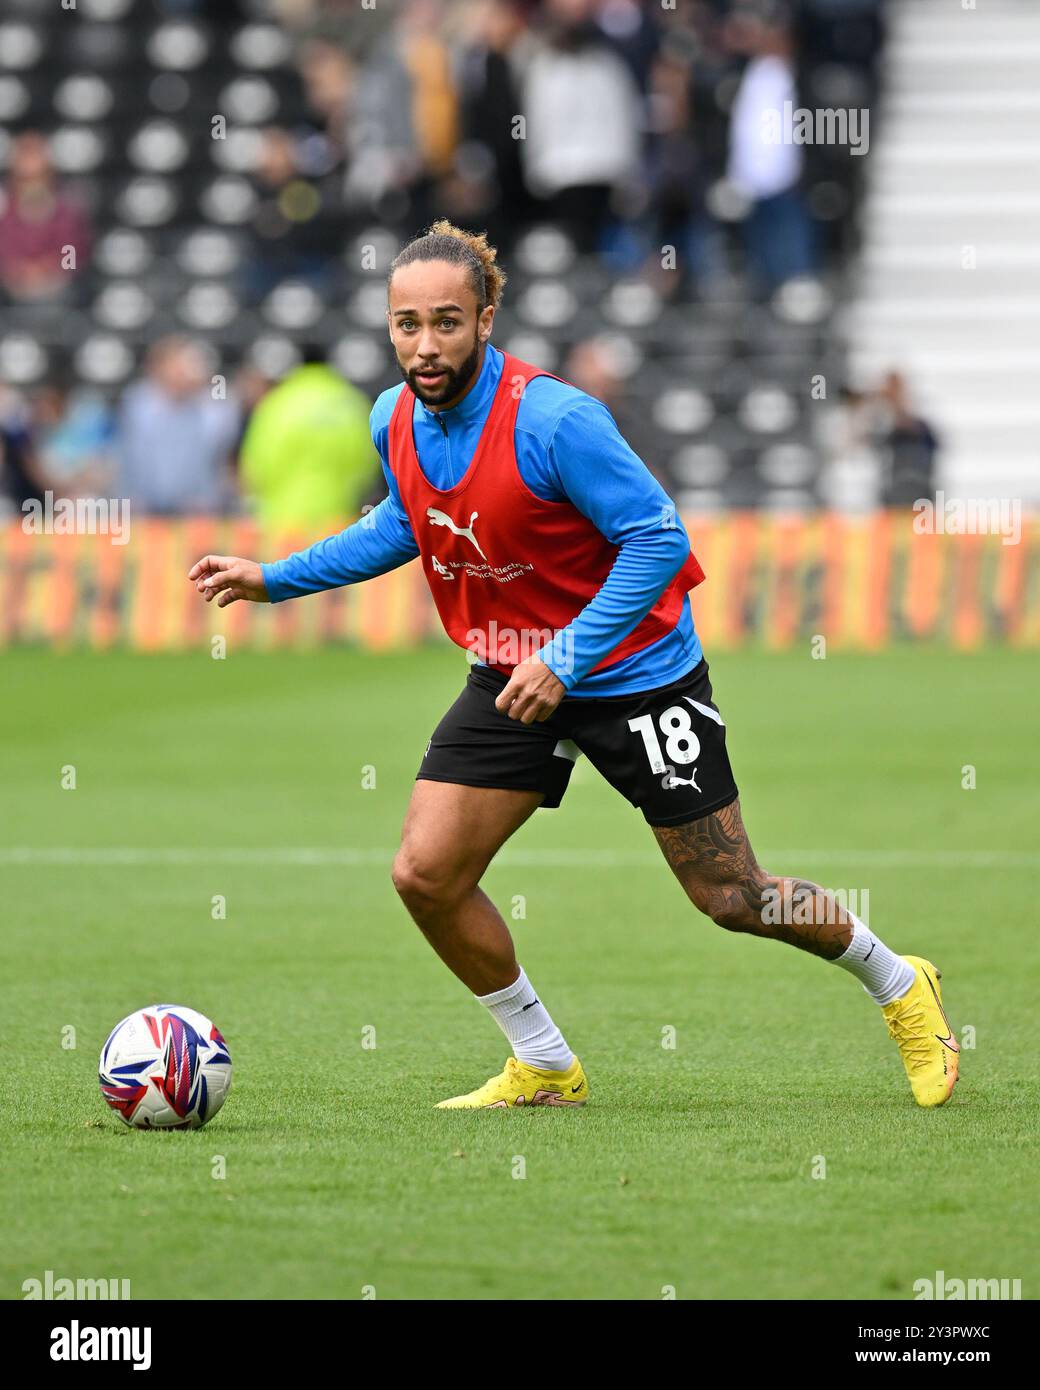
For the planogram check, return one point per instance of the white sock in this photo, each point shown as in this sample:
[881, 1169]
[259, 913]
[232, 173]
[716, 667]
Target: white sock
[884, 975]
[525, 1021]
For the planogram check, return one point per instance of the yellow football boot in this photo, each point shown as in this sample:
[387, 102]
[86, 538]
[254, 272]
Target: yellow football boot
[922, 1031]
[519, 1084]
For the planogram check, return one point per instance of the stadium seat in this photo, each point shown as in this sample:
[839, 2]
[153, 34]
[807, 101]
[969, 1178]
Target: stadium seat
[104, 360]
[767, 409]
[360, 357]
[123, 306]
[248, 101]
[208, 305]
[123, 251]
[21, 45]
[700, 466]
[239, 152]
[77, 149]
[148, 201]
[546, 304]
[179, 44]
[83, 96]
[23, 360]
[293, 305]
[532, 347]
[790, 465]
[683, 410]
[206, 251]
[228, 200]
[632, 304]
[15, 98]
[545, 250]
[160, 147]
[260, 46]
[368, 304]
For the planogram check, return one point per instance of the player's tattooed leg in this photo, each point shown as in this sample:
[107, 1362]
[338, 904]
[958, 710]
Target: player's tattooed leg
[713, 860]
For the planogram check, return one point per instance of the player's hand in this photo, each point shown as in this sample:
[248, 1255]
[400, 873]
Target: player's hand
[227, 578]
[533, 692]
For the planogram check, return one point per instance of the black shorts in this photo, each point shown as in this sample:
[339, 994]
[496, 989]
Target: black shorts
[664, 749]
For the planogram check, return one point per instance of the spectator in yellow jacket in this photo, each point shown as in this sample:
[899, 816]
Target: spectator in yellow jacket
[307, 456]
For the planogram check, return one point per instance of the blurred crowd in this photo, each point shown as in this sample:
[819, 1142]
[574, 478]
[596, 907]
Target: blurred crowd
[297, 453]
[637, 127]
[631, 124]
[183, 441]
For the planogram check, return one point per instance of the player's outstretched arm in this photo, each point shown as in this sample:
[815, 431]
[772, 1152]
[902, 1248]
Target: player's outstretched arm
[228, 578]
[381, 541]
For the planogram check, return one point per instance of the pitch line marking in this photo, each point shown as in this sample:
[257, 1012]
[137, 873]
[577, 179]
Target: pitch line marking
[331, 857]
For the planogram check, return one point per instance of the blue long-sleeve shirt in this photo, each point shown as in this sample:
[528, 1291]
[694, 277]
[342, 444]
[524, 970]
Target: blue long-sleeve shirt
[568, 448]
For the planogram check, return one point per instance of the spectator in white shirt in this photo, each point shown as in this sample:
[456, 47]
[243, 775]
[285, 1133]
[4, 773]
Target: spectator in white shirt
[584, 122]
[765, 164]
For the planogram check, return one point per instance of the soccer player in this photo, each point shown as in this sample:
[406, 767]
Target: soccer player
[558, 561]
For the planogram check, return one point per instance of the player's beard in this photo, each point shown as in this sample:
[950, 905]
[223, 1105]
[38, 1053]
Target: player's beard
[456, 378]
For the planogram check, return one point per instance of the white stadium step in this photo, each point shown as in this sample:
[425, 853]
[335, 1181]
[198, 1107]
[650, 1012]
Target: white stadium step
[955, 163]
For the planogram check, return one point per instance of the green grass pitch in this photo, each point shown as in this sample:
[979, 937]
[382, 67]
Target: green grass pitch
[692, 1167]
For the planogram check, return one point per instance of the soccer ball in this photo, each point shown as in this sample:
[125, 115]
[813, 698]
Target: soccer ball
[165, 1067]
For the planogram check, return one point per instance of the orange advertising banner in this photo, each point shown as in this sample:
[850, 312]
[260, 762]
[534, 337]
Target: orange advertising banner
[860, 582]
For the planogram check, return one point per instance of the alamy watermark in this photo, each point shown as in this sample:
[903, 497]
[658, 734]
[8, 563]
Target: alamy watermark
[800, 125]
[79, 1342]
[969, 516]
[77, 516]
[795, 905]
[942, 1287]
[58, 1287]
[508, 646]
